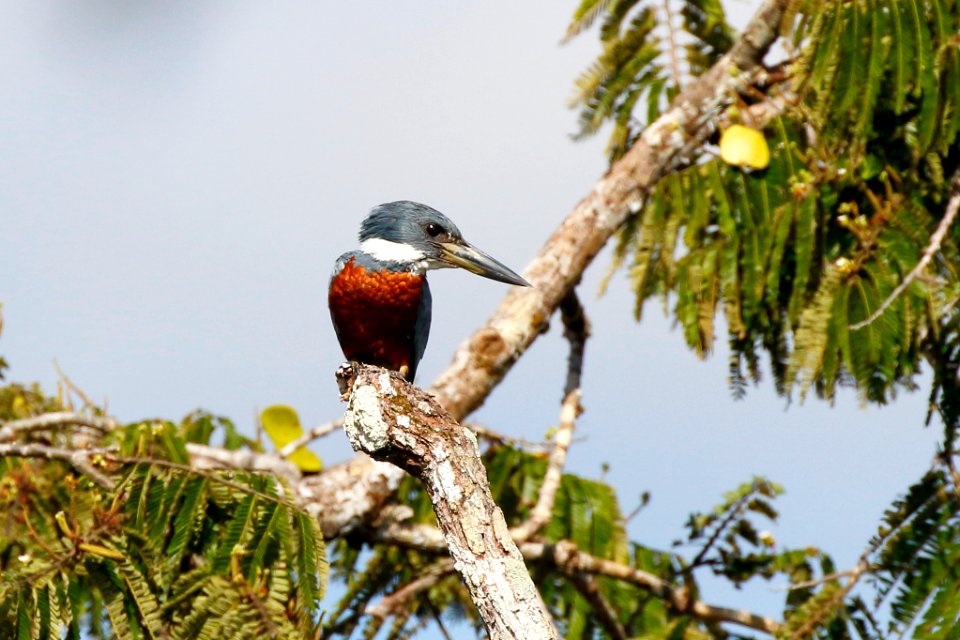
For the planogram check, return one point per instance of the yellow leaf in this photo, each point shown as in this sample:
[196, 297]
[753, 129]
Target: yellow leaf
[744, 147]
[61, 519]
[20, 406]
[305, 459]
[104, 552]
[282, 424]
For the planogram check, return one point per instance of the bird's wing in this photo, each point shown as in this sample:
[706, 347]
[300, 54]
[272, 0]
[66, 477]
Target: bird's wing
[422, 330]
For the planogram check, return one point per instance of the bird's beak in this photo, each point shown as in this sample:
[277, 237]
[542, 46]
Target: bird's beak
[466, 256]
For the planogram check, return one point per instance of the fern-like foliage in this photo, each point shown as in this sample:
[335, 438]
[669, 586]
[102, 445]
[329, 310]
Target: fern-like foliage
[911, 568]
[168, 552]
[799, 258]
[648, 53]
[805, 260]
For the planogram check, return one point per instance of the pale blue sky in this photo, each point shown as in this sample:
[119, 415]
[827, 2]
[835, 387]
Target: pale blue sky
[177, 178]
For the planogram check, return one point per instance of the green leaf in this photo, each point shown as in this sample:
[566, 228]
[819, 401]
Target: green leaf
[24, 630]
[237, 530]
[310, 563]
[811, 346]
[142, 596]
[186, 521]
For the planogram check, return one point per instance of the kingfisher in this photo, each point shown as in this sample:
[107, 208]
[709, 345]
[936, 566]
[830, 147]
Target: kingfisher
[379, 297]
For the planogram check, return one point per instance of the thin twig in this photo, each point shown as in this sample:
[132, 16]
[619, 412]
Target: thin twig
[808, 584]
[317, 432]
[953, 205]
[836, 599]
[490, 434]
[576, 331]
[644, 501]
[71, 386]
[589, 588]
[543, 510]
[79, 459]
[674, 56]
[394, 602]
[436, 618]
[947, 458]
[721, 527]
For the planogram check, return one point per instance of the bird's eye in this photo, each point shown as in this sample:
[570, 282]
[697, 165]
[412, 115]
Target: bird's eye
[433, 230]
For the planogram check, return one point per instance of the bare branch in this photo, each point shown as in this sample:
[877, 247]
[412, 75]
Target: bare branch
[79, 459]
[72, 387]
[397, 600]
[206, 457]
[391, 420]
[348, 495]
[567, 557]
[490, 434]
[808, 584]
[674, 49]
[576, 330]
[318, 431]
[953, 205]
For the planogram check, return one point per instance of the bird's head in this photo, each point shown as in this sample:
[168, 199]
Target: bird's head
[413, 234]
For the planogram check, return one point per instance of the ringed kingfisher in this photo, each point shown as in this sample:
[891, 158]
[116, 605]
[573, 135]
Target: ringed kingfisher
[379, 298]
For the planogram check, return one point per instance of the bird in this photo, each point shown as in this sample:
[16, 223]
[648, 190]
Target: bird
[379, 298]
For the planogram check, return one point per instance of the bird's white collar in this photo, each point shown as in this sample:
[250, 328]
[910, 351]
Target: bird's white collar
[389, 251]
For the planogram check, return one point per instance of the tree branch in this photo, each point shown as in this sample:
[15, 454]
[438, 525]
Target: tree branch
[567, 557]
[484, 359]
[953, 205]
[576, 331]
[391, 420]
[207, 457]
[349, 495]
[317, 432]
[590, 590]
[394, 602]
[79, 459]
[674, 48]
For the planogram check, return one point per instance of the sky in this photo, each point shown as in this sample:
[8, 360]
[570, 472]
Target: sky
[178, 178]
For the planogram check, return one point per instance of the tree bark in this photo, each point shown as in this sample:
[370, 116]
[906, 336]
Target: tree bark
[391, 420]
